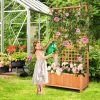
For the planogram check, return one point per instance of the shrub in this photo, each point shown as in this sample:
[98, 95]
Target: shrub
[94, 62]
[30, 64]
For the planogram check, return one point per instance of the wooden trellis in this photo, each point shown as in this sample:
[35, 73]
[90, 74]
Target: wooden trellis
[70, 54]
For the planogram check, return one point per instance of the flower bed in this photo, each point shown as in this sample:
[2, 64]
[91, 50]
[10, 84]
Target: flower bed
[76, 68]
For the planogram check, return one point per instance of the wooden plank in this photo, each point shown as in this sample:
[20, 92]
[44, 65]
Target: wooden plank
[72, 7]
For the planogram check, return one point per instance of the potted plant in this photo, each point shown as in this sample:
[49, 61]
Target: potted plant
[69, 30]
[18, 59]
[4, 63]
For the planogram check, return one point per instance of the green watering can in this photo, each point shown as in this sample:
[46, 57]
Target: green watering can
[51, 48]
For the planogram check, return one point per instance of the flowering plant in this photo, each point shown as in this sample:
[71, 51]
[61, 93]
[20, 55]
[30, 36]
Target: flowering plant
[65, 67]
[70, 27]
[18, 56]
[12, 48]
[22, 47]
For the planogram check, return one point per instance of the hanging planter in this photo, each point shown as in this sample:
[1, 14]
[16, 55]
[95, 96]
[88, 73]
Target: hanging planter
[18, 64]
[4, 69]
[18, 59]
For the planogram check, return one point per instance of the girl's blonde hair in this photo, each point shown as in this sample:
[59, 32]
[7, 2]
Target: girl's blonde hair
[34, 45]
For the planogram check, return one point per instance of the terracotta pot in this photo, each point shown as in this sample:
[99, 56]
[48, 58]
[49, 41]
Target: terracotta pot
[67, 80]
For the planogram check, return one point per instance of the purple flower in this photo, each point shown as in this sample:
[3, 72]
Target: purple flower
[56, 19]
[29, 58]
[66, 43]
[85, 40]
[67, 14]
[77, 30]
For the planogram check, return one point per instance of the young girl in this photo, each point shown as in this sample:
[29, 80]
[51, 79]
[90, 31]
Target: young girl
[40, 75]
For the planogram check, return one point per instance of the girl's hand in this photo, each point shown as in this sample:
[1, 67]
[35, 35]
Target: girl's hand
[48, 43]
[49, 56]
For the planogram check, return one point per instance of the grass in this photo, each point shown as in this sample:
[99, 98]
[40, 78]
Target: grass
[15, 88]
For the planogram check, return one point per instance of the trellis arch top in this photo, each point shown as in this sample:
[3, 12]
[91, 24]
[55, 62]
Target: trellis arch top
[35, 5]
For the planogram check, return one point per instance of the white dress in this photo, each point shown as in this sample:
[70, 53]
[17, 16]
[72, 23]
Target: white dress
[40, 75]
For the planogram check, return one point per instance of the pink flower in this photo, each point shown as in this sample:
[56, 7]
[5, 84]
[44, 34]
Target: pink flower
[85, 40]
[58, 33]
[77, 30]
[59, 71]
[68, 69]
[67, 14]
[71, 65]
[53, 66]
[66, 43]
[63, 68]
[56, 19]
[75, 70]
[80, 58]
[78, 13]
[29, 58]
[80, 67]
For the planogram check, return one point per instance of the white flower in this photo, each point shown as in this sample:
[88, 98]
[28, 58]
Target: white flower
[71, 65]
[75, 65]
[53, 66]
[68, 69]
[67, 14]
[58, 72]
[49, 67]
[90, 47]
[75, 70]
[59, 69]
[80, 58]
[82, 71]
[52, 71]
[80, 67]
[64, 63]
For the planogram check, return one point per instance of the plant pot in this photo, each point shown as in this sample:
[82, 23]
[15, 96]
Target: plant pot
[18, 64]
[67, 80]
[4, 69]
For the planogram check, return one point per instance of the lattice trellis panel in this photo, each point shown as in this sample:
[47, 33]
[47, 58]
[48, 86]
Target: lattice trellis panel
[69, 54]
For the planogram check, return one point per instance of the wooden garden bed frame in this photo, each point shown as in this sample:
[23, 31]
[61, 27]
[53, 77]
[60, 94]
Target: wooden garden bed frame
[67, 80]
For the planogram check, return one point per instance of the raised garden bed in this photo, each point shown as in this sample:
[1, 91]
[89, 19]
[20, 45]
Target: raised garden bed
[66, 80]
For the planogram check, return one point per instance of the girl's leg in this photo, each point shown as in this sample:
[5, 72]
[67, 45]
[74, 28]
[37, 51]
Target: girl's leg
[38, 88]
[41, 88]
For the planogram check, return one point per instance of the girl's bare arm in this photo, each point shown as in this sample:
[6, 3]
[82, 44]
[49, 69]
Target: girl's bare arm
[45, 47]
